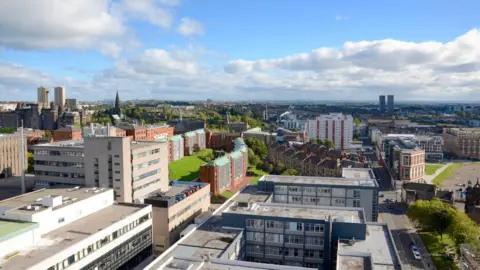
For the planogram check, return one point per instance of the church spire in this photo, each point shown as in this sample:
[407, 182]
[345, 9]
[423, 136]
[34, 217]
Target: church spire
[117, 104]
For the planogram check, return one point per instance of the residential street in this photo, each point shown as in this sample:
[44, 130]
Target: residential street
[403, 234]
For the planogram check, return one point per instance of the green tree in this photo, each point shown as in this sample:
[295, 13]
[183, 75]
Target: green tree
[257, 146]
[290, 172]
[31, 161]
[267, 167]
[48, 133]
[329, 144]
[433, 216]
[278, 169]
[7, 130]
[357, 121]
[253, 160]
[464, 230]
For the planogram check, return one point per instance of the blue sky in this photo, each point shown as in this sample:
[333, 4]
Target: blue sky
[194, 49]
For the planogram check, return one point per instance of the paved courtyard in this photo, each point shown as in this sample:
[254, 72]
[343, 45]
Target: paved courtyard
[461, 175]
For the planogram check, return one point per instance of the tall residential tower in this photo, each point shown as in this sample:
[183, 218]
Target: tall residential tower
[381, 100]
[390, 104]
[59, 100]
[42, 97]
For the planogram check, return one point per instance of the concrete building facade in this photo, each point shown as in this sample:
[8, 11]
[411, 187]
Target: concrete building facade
[77, 228]
[176, 209]
[189, 140]
[11, 155]
[60, 95]
[381, 102]
[390, 103]
[462, 142]
[43, 98]
[336, 127]
[135, 170]
[360, 191]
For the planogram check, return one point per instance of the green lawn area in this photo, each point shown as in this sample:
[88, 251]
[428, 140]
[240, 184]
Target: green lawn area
[432, 168]
[257, 174]
[228, 194]
[187, 168]
[446, 174]
[439, 249]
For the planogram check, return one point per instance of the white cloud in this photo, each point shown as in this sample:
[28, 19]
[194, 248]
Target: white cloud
[86, 24]
[341, 18]
[356, 70]
[189, 26]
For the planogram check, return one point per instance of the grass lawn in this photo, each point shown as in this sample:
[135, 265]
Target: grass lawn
[228, 194]
[432, 168]
[439, 249]
[257, 174]
[187, 168]
[446, 174]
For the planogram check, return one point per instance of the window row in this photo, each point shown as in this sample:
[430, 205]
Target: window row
[99, 244]
[59, 153]
[59, 163]
[287, 252]
[321, 191]
[292, 226]
[60, 174]
[146, 185]
[146, 153]
[146, 164]
[188, 207]
[145, 175]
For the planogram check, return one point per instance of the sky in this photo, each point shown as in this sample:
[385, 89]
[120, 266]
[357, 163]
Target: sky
[241, 49]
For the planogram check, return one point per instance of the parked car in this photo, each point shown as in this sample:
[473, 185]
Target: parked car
[415, 252]
[381, 195]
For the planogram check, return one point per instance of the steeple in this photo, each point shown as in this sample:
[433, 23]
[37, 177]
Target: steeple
[117, 104]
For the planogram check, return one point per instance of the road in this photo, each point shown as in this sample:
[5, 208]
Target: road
[403, 233]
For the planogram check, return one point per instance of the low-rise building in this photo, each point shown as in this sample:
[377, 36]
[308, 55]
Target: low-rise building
[67, 133]
[11, 155]
[412, 192]
[189, 140]
[146, 133]
[176, 147]
[95, 129]
[250, 230]
[227, 172]
[76, 228]
[462, 142]
[183, 126]
[404, 159]
[266, 137]
[358, 188]
[218, 140]
[432, 145]
[176, 209]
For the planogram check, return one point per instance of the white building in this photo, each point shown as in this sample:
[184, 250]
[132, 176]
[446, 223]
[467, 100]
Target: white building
[77, 228]
[336, 127]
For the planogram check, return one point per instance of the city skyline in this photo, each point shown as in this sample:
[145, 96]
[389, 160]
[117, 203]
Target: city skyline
[185, 50]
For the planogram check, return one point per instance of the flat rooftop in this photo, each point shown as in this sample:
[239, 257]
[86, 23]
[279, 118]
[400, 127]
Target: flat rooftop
[209, 238]
[331, 181]
[185, 263]
[358, 173]
[69, 143]
[339, 214]
[35, 197]
[68, 235]
[10, 227]
[378, 248]
[252, 194]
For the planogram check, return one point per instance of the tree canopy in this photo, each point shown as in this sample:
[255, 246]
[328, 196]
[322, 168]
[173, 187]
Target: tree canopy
[290, 172]
[257, 146]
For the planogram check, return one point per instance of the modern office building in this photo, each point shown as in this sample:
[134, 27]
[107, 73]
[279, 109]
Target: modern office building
[381, 102]
[176, 209]
[432, 145]
[134, 170]
[404, 159]
[11, 155]
[336, 127]
[462, 142]
[76, 228]
[43, 98]
[250, 229]
[390, 104]
[227, 172]
[176, 147]
[358, 188]
[59, 97]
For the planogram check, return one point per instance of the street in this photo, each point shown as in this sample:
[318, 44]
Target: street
[402, 232]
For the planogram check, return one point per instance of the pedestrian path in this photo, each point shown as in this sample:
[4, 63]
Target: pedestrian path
[429, 178]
